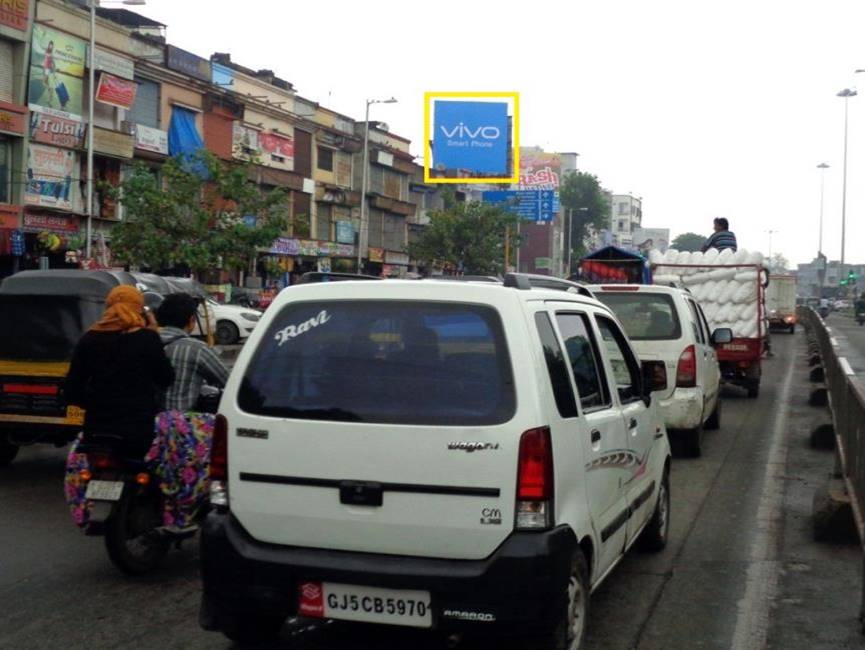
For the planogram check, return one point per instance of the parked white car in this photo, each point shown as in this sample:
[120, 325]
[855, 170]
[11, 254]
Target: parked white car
[450, 455]
[667, 324]
[232, 323]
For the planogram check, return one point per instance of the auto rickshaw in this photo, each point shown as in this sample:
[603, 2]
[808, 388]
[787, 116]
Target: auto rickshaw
[42, 316]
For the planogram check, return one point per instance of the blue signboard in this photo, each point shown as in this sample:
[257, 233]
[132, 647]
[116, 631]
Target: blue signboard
[531, 205]
[344, 232]
[472, 136]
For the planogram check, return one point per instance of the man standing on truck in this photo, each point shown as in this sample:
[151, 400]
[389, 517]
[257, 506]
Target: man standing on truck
[722, 237]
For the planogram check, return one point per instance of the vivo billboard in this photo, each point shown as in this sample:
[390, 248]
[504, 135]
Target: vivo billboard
[471, 136]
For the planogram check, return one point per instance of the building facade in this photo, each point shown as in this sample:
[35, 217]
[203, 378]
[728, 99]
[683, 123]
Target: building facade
[626, 215]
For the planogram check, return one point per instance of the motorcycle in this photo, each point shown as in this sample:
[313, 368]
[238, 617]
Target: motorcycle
[860, 317]
[824, 312]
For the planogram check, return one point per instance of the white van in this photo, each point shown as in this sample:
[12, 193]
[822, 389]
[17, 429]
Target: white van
[448, 455]
[667, 324]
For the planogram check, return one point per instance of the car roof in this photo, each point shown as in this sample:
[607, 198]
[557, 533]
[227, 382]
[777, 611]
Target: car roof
[638, 288]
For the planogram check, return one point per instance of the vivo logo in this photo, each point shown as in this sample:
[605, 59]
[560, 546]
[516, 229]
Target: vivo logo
[463, 131]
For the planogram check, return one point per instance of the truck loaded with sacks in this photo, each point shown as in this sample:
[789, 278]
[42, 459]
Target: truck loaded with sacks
[730, 286]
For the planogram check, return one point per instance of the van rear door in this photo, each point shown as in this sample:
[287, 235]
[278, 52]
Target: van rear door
[383, 426]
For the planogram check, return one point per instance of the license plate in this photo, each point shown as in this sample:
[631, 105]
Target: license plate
[75, 414]
[365, 604]
[104, 490]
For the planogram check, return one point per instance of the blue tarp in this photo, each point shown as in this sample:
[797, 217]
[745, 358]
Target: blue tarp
[183, 137]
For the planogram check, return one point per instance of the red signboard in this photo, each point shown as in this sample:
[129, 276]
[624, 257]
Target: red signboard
[15, 13]
[13, 118]
[10, 215]
[51, 223]
[56, 127]
[115, 91]
[276, 144]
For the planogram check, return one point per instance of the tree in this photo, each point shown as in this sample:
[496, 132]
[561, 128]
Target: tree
[585, 206]
[466, 235]
[778, 263]
[203, 213]
[688, 241]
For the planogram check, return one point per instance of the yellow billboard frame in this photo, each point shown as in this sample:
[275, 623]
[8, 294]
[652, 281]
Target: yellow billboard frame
[427, 152]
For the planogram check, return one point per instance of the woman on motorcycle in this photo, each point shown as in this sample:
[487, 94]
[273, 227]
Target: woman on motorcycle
[180, 454]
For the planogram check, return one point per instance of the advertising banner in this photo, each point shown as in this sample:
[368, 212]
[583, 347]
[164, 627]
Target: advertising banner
[539, 170]
[278, 144]
[51, 223]
[113, 64]
[56, 127]
[310, 248]
[471, 135]
[51, 177]
[646, 239]
[13, 118]
[344, 232]
[149, 139]
[244, 141]
[56, 70]
[187, 63]
[116, 91]
[15, 13]
[113, 143]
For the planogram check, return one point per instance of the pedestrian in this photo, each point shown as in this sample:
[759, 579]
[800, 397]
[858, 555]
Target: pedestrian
[180, 453]
[722, 237]
[118, 371]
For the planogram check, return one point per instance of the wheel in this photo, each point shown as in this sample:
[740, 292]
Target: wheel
[714, 421]
[692, 442]
[754, 390]
[226, 333]
[657, 531]
[253, 628]
[132, 540]
[793, 328]
[8, 451]
[569, 632]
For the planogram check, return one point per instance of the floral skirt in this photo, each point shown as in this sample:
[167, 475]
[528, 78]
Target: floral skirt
[180, 459]
[74, 487]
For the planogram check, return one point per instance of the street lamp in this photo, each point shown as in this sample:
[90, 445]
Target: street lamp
[91, 96]
[363, 234]
[771, 232]
[847, 93]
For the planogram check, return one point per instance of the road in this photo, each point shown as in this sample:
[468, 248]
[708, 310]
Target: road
[741, 570]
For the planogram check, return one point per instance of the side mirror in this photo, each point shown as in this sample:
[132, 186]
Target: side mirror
[722, 335]
[654, 377]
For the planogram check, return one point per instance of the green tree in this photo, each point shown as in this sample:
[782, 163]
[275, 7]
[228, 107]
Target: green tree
[202, 213]
[688, 241]
[467, 235]
[778, 263]
[585, 206]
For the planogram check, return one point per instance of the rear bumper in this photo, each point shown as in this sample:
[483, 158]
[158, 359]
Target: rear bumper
[683, 409]
[519, 584]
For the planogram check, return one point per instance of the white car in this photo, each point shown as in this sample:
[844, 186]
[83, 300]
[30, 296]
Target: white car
[451, 455]
[231, 323]
[667, 324]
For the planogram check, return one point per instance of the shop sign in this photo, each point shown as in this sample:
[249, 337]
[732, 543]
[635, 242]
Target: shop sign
[50, 223]
[52, 177]
[392, 257]
[149, 139]
[10, 216]
[376, 255]
[13, 118]
[310, 248]
[187, 63]
[344, 232]
[15, 13]
[113, 64]
[56, 127]
[244, 140]
[116, 91]
[113, 143]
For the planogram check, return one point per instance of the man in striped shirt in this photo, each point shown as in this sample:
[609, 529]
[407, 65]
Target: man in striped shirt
[722, 237]
[194, 363]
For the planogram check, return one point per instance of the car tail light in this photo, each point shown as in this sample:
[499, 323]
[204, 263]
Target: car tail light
[219, 464]
[535, 488]
[686, 371]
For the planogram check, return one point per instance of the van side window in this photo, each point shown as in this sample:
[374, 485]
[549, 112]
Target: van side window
[695, 321]
[626, 370]
[561, 383]
[585, 361]
[705, 323]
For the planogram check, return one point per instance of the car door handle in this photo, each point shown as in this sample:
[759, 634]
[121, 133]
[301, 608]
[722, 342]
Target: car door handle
[596, 435]
[632, 424]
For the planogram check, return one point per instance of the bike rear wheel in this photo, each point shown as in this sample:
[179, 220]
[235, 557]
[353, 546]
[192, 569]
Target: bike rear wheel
[134, 542]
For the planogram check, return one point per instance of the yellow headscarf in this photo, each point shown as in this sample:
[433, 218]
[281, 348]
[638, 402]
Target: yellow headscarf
[123, 309]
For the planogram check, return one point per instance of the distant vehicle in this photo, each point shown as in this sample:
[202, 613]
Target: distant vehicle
[781, 302]
[841, 305]
[667, 324]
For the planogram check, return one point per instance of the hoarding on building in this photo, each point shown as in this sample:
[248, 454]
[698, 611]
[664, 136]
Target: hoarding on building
[52, 177]
[116, 91]
[310, 248]
[344, 232]
[187, 63]
[113, 143]
[539, 170]
[244, 141]
[149, 139]
[646, 239]
[56, 70]
[471, 135]
[15, 13]
[13, 119]
[113, 64]
[56, 128]
[275, 143]
[51, 223]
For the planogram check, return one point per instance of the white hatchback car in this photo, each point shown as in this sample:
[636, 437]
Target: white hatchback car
[448, 455]
[667, 324]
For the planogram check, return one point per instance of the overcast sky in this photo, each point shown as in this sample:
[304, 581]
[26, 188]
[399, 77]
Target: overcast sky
[702, 109]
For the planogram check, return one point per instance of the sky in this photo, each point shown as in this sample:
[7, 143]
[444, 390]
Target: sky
[702, 109]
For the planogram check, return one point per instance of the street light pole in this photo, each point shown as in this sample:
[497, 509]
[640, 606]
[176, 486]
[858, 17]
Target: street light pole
[363, 233]
[846, 94]
[822, 167]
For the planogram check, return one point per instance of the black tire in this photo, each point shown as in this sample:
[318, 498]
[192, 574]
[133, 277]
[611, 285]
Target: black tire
[252, 629]
[226, 333]
[8, 451]
[793, 328]
[714, 421]
[132, 540]
[692, 442]
[656, 533]
[569, 632]
[754, 390]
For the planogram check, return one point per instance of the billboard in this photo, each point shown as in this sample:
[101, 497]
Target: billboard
[116, 91]
[56, 70]
[51, 177]
[15, 13]
[56, 127]
[539, 170]
[646, 239]
[472, 136]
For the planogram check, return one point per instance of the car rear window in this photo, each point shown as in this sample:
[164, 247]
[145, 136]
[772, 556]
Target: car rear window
[645, 316]
[394, 362]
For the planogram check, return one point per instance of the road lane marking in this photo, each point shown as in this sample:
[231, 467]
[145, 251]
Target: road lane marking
[761, 580]
[845, 366]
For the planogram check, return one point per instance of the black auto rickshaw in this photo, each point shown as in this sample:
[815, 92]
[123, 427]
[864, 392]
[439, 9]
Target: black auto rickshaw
[42, 316]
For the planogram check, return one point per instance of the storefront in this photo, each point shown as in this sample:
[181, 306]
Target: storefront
[48, 238]
[289, 258]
